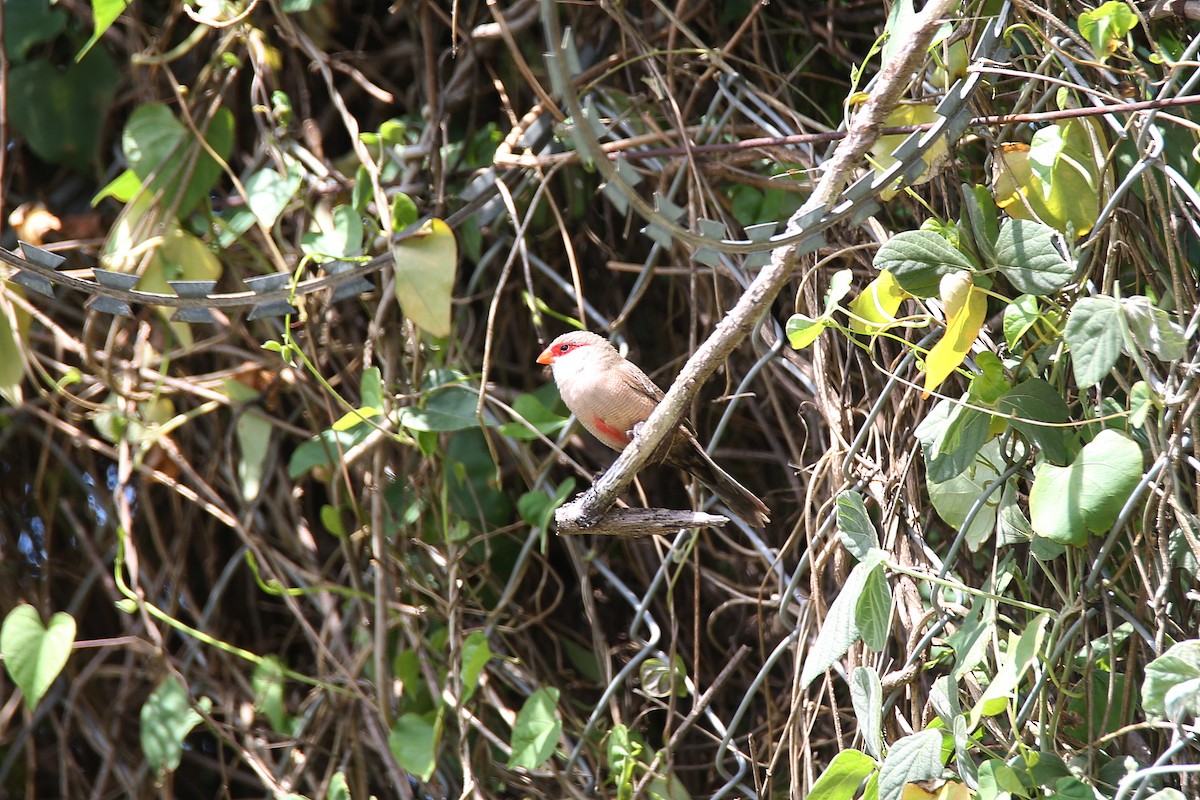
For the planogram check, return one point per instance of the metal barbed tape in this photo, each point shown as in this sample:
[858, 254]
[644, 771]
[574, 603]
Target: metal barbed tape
[269, 295]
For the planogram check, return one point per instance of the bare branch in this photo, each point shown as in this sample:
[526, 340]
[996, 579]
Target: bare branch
[864, 130]
[632, 521]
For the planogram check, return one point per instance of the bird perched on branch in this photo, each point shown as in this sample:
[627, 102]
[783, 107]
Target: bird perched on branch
[611, 397]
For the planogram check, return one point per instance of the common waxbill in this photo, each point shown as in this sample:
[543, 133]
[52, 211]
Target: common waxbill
[610, 396]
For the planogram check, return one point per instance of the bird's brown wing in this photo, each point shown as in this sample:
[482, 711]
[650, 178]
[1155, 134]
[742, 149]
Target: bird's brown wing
[637, 380]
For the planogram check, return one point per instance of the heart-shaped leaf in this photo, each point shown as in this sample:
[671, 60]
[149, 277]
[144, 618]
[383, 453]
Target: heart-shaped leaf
[1066, 503]
[425, 269]
[34, 655]
[163, 152]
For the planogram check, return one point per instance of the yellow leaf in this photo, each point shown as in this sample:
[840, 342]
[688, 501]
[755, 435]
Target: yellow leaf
[803, 331]
[425, 268]
[1063, 190]
[180, 257]
[954, 289]
[961, 330]
[874, 310]
[881, 152]
[176, 255]
[14, 332]
[1011, 175]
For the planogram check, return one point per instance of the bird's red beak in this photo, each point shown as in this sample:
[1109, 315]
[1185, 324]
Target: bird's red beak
[546, 357]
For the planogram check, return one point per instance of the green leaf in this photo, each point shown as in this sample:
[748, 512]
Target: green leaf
[253, 432]
[1012, 526]
[394, 131]
[965, 435]
[426, 266]
[916, 757]
[1019, 316]
[1142, 401]
[802, 330]
[1106, 26]
[583, 660]
[59, 112]
[997, 779]
[406, 666]
[404, 211]
[1152, 329]
[165, 155]
[1037, 401]
[339, 788]
[1066, 177]
[537, 508]
[1093, 334]
[1029, 256]
[1066, 503]
[342, 238]
[1175, 670]
[29, 24]
[990, 383]
[1018, 658]
[325, 449]
[35, 655]
[866, 694]
[449, 409]
[843, 776]
[470, 475]
[536, 731]
[622, 751]
[951, 437]
[943, 698]
[1071, 788]
[14, 336]
[230, 223]
[953, 499]
[970, 641]
[370, 388]
[1055, 179]
[104, 14]
[167, 718]
[962, 751]
[476, 653]
[122, 188]
[268, 686]
[658, 678]
[268, 193]
[901, 22]
[873, 611]
[855, 528]
[536, 409]
[414, 742]
[983, 220]
[840, 629]
[839, 287]
[919, 260]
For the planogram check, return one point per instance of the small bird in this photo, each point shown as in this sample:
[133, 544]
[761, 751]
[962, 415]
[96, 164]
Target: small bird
[611, 397]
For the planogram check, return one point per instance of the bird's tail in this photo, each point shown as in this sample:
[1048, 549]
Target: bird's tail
[740, 500]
